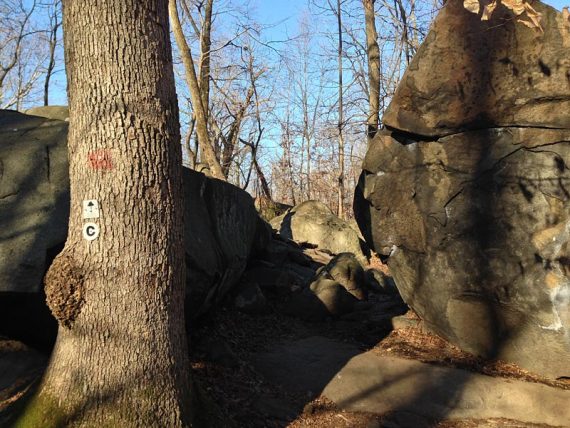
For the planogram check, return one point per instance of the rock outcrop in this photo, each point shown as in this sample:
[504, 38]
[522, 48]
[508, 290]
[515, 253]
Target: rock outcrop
[221, 224]
[468, 188]
[314, 223]
[34, 197]
[472, 74]
[50, 112]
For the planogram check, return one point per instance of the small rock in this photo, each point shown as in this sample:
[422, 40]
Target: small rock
[335, 298]
[402, 321]
[347, 271]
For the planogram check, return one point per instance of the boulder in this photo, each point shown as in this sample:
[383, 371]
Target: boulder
[50, 112]
[472, 74]
[222, 228]
[314, 223]
[221, 224]
[34, 198]
[335, 291]
[335, 298]
[269, 209]
[348, 272]
[468, 192]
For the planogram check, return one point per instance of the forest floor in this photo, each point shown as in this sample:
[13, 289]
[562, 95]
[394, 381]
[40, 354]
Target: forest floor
[223, 368]
[225, 344]
[269, 370]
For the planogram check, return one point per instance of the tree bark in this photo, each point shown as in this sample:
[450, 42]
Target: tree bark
[340, 125]
[55, 24]
[121, 354]
[205, 47]
[373, 53]
[193, 85]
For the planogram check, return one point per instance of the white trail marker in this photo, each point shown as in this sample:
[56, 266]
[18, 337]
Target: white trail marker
[90, 209]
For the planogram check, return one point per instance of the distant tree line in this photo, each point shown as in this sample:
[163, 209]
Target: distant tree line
[286, 119]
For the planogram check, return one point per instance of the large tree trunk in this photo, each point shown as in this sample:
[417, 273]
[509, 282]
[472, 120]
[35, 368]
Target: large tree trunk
[373, 53]
[121, 353]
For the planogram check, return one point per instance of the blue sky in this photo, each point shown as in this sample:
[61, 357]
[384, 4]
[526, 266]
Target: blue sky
[282, 14]
[558, 4]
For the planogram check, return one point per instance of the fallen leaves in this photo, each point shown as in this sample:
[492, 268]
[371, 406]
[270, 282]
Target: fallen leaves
[488, 11]
[471, 5]
[522, 9]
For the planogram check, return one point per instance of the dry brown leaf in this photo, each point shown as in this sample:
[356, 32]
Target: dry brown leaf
[531, 25]
[488, 10]
[527, 23]
[472, 5]
[516, 6]
[534, 16]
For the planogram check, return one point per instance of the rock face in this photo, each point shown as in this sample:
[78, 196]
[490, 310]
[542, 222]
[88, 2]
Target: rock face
[472, 201]
[470, 74]
[34, 197]
[222, 227]
[50, 112]
[313, 222]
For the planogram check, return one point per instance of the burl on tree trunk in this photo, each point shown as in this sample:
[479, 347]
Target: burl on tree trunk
[121, 353]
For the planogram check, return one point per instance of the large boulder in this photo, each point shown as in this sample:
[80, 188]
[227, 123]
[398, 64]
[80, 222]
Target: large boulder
[222, 227]
[471, 74]
[34, 197]
[314, 223]
[472, 201]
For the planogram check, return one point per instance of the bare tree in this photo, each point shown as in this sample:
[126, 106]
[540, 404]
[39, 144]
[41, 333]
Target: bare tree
[54, 16]
[198, 106]
[17, 76]
[373, 54]
[340, 125]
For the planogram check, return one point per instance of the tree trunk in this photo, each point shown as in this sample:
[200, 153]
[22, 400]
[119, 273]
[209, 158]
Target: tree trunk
[121, 354]
[205, 47]
[55, 24]
[340, 189]
[197, 106]
[373, 53]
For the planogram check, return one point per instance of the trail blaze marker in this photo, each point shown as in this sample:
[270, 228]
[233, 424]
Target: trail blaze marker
[90, 209]
[90, 231]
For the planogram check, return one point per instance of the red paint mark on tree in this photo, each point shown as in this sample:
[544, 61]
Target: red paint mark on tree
[101, 159]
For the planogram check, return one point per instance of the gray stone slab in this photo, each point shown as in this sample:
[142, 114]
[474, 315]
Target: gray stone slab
[304, 366]
[380, 384]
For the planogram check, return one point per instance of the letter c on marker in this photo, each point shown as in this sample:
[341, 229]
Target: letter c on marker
[90, 231]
